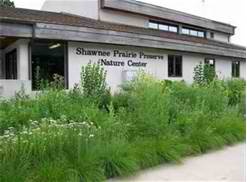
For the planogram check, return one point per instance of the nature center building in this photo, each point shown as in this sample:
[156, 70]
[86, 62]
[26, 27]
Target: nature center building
[124, 36]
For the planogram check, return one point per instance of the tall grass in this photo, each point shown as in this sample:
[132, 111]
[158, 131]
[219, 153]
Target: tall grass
[67, 136]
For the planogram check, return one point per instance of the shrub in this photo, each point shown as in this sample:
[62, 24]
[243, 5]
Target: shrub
[149, 116]
[235, 90]
[93, 80]
[204, 74]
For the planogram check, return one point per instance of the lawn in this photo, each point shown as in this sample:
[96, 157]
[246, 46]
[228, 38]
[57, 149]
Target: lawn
[87, 134]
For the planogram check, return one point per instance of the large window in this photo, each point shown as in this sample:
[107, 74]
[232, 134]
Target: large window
[11, 65]
[174, 66]
[193, 32]
[163, 26]
[236, 69]
[48, 59]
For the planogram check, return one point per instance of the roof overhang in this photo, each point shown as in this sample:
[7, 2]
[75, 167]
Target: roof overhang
[84, 34]
[166, 14]
[13, 29]
[72, 33]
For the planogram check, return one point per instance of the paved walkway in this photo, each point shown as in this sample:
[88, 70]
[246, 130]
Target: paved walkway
[227, 165]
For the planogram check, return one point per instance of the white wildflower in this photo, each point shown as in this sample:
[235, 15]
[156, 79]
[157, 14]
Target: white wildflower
[6, 132]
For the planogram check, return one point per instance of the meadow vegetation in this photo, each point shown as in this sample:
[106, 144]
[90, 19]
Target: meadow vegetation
[87, 134]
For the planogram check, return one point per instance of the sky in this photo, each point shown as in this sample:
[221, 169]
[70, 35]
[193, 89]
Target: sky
[228, 11]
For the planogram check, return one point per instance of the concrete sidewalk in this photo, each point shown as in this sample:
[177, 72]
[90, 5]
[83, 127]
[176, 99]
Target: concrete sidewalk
[223, 165]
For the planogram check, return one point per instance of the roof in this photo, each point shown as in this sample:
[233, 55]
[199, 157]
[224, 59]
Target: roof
[151, 10]
[29, 16]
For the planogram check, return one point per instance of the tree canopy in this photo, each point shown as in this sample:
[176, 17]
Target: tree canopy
[7, 3]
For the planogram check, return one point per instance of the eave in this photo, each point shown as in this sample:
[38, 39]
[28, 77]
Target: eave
[145, 9]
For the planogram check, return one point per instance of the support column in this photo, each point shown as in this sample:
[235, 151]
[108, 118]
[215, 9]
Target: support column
[22, 59]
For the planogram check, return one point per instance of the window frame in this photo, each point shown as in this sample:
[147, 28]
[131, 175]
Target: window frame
[196, 31]
[202, 33]
[235, 73]
[153, 23]
[65, 58]
[187, 31]
[174, 62]
[169, 26]
[164, 26]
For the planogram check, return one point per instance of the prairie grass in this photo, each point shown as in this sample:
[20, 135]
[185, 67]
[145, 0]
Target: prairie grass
[67, 136]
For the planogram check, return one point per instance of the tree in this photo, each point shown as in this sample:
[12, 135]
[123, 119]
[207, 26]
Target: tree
[7, 3]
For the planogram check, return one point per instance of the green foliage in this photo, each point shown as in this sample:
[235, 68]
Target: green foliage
[204, 74]
[93, 80]
[235, 90]
[93, 85]
[199, 74]
[7, 3]
[208, 73]
[71, 136]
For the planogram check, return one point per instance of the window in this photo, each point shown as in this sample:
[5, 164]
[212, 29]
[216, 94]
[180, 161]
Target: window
[192, 32]
[201, 34]
[235, 69]
[153, 25]
[174, 66]
[185, 31]
[48, 58]
[163, 26]
[173, 29]
[211, 35]
[211, 62]
[11, 65]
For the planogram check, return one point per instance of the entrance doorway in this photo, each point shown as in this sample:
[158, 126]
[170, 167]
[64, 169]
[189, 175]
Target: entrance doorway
[48, 59]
